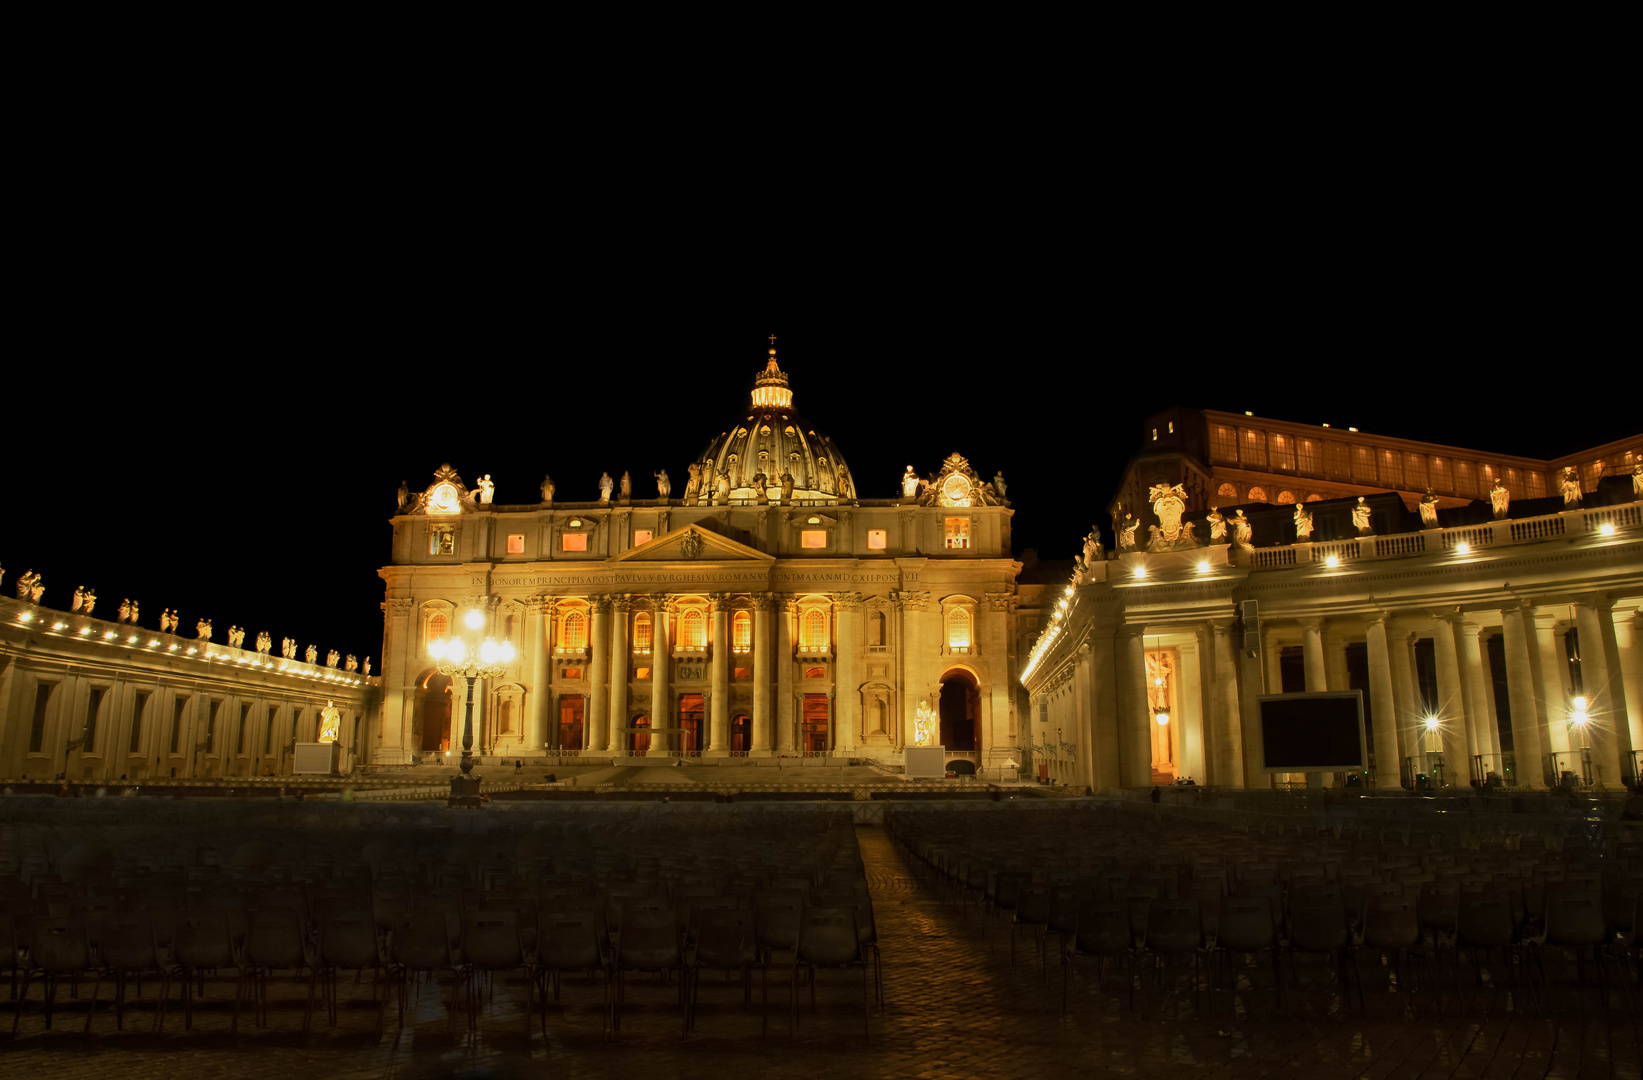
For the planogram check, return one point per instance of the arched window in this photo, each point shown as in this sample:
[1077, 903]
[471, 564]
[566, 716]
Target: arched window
[692, 628]
[574, 633]
[436, 628]
[1286, 497]
[1257, 494]
[504, 717]
[813, 631]
[1227, 491]
[641, 632]
[875, 630]
[741, 632]
[958, 629]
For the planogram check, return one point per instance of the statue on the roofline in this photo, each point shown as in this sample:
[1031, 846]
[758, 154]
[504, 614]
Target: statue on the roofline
[265, 642]
[367, 667]
[331, 658]
[787, 487]
[313, 654]
[79, 597]
[606, 486]
[202, 629]
[627, 485]
[693, 483]
[487, 490]
[547, 489]
[1242, 530]
[1570, 486]
[1360, 517]
[664, 486]
[404, 494]
[26, 583]
[1303, 524]
[125, 610]
[1499, 499]
[352, 664]
[909, 483]
[1429, 508]
[844, 482]
[1126, 534]
[998, 485]
[134, 613]
[1092, 548]
[91, 601]
[1637, 481]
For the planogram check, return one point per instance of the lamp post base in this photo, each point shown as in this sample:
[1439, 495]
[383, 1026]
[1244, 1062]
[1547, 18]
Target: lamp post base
[465, 791]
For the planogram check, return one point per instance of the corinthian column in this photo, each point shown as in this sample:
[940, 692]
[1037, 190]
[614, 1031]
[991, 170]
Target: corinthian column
[538, 618]
[1135, 723]
[1228, 763]
[719, 723]
[1452, 722]
[847, 653]
[786, 613]
[1610, 727]
[1312, 653]
[761, 674]
[1479, 724]
[661, 659]
[1527, 745]
[1383, 704]
[619, 661]
[598, 713]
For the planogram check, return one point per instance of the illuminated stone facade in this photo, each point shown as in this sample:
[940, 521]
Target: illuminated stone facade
[1472, 633]
[758, 608]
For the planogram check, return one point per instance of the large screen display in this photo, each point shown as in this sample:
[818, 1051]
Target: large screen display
[1313, 732]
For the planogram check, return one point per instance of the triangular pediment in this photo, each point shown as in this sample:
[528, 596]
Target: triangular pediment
[692, 543]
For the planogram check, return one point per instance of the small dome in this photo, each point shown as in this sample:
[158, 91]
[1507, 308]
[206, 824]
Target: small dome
[772, 438]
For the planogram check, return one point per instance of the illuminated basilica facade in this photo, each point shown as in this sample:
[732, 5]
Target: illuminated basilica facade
[1489, 608]
[756, 608]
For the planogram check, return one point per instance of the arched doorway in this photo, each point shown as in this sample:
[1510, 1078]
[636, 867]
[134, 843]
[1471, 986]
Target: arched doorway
[639, 739]
[434, 699]
[692, 707]
[959, 708]
[741, 734]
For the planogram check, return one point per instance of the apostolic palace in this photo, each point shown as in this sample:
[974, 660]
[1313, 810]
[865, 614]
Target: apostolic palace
[758, 607]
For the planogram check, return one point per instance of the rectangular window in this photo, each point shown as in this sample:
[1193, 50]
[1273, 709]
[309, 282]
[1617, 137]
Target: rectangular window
[1252, 447]
[136, 746]
[642, 633]
[1440, 476]
[742, 673]
[177, 722]
[1340, 461]
[741, 632]
[268, 732]
[1223, 443]
[1310, 457]
[211, 728]
[1590, 473]
[442, 540]
[641, 537]
[573, 542]
[1363, 464]
[37, 731]
[641, 673]
[1414, 471]
[239, 741]
[1283, 452]
[876, 539]
[1391, 468]
[958, 532]
[813, 538]
[1536, 483]
[516, 543]
[1465, 479]
[88, 733]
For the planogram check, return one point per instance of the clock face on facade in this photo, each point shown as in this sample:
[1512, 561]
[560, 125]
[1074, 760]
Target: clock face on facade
[955, 491]
[443, 500]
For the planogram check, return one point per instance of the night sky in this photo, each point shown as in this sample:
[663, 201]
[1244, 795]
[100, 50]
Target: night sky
[211, 435]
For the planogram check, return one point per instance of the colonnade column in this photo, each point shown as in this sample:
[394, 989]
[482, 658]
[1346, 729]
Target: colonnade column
[537, 621]
[1520, 700]
[1227, 762]
[1452, 721]
[1135, 717]
[1631, 669]
[1382, 703]
[1610, 728]
[661, 660]
[787, 611]
[619, 663]
[847, 696]
[1480, 739]
[398, 648]
[1406, 693]
[719, 685]
[598, 699]
[1317, 677]
[761, 674]
[1551, 674]
[1105, 696]
[910, 607]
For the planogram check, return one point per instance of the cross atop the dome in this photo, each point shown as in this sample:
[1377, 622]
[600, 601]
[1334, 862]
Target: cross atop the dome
[772, 341]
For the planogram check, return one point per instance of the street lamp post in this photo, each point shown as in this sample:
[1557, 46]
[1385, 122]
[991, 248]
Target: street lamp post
[465, 656]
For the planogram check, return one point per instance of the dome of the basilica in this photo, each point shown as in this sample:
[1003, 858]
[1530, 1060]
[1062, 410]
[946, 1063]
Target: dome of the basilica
[772, 439]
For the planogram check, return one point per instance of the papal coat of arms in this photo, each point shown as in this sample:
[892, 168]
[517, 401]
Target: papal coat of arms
[1169, 502]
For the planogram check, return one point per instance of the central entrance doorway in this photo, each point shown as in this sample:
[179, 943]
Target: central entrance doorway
[639, 741]
[571, 708]
[741, 734]
[692, 707]
[813, 729]
[960, 705]
[433, 710]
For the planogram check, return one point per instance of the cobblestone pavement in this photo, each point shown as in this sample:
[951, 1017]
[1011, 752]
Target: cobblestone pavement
[954, 1007]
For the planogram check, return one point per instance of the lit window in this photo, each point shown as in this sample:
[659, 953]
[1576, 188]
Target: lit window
[1392, 468]
[1257, 494]
[1363, 464]
[1154, 434]
[958, 532]
[1172, 427]
[641, 632]
[641, 536]
[813, 538]
[1286, 497]
[693, 628]
[958, 629]
[1283, 451]
[574, 633]
[876, 539]
[1310, 457]
[1226, 491]
[641, 673]
[1223, 443]
[741, 673]
[516, 543]
[442, 541]
[741, 632]
[1252, 447]
[436, 628]
[815, 673]
[573, 542]
[813, 632]
[1414, 471]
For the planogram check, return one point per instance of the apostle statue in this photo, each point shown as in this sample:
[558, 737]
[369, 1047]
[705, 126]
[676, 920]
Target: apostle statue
[352, 664]
[134, 613]
[202, 629]
[1429, 509]
[1126, 534]
[1637, 481]
[330, 723]
[664, 486]
[1303, 524]
[909, 483]
[998, 485]
[1360, 517]
[693, 483]
[367, 671]
[487, 490]
[331, 658]
[1217, 526]
[1078, 570]
[91, 601]
[1241, 530]
[627, 486]
[1499, 499]
[844, 482]
[125, 610]
[724, 486]
[1569, 484]
[26, 583]
[313, 654]
[547, 489]
[404, 494]
[265, 642]
[758, 488]
[1092, 548]
[79, 597]
[787, 487]
[606, 486]
[37, 589]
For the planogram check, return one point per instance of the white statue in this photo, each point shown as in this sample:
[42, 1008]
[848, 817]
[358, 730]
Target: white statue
[330, 722]
[1126, 535]
[36, 590]
[134, 613]
[487, 490]
[202, 629]
[24, 582]
[165, 620]
[909, 483]
[664, 486]
[79, 597]
[1360, 517]
[1078, 570]
[1569, 484]
[313, 654]
[606, 486]
[1429, 508]
[367, 667]
[125, 610]
[352, 664]
[331, 658]
[1637, 481]
[1499, 499]
[1092, 548]
[1241, 530]
[547, 489]
[1303, 524]
[265, 642]
[924, 725]
[91, 600]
